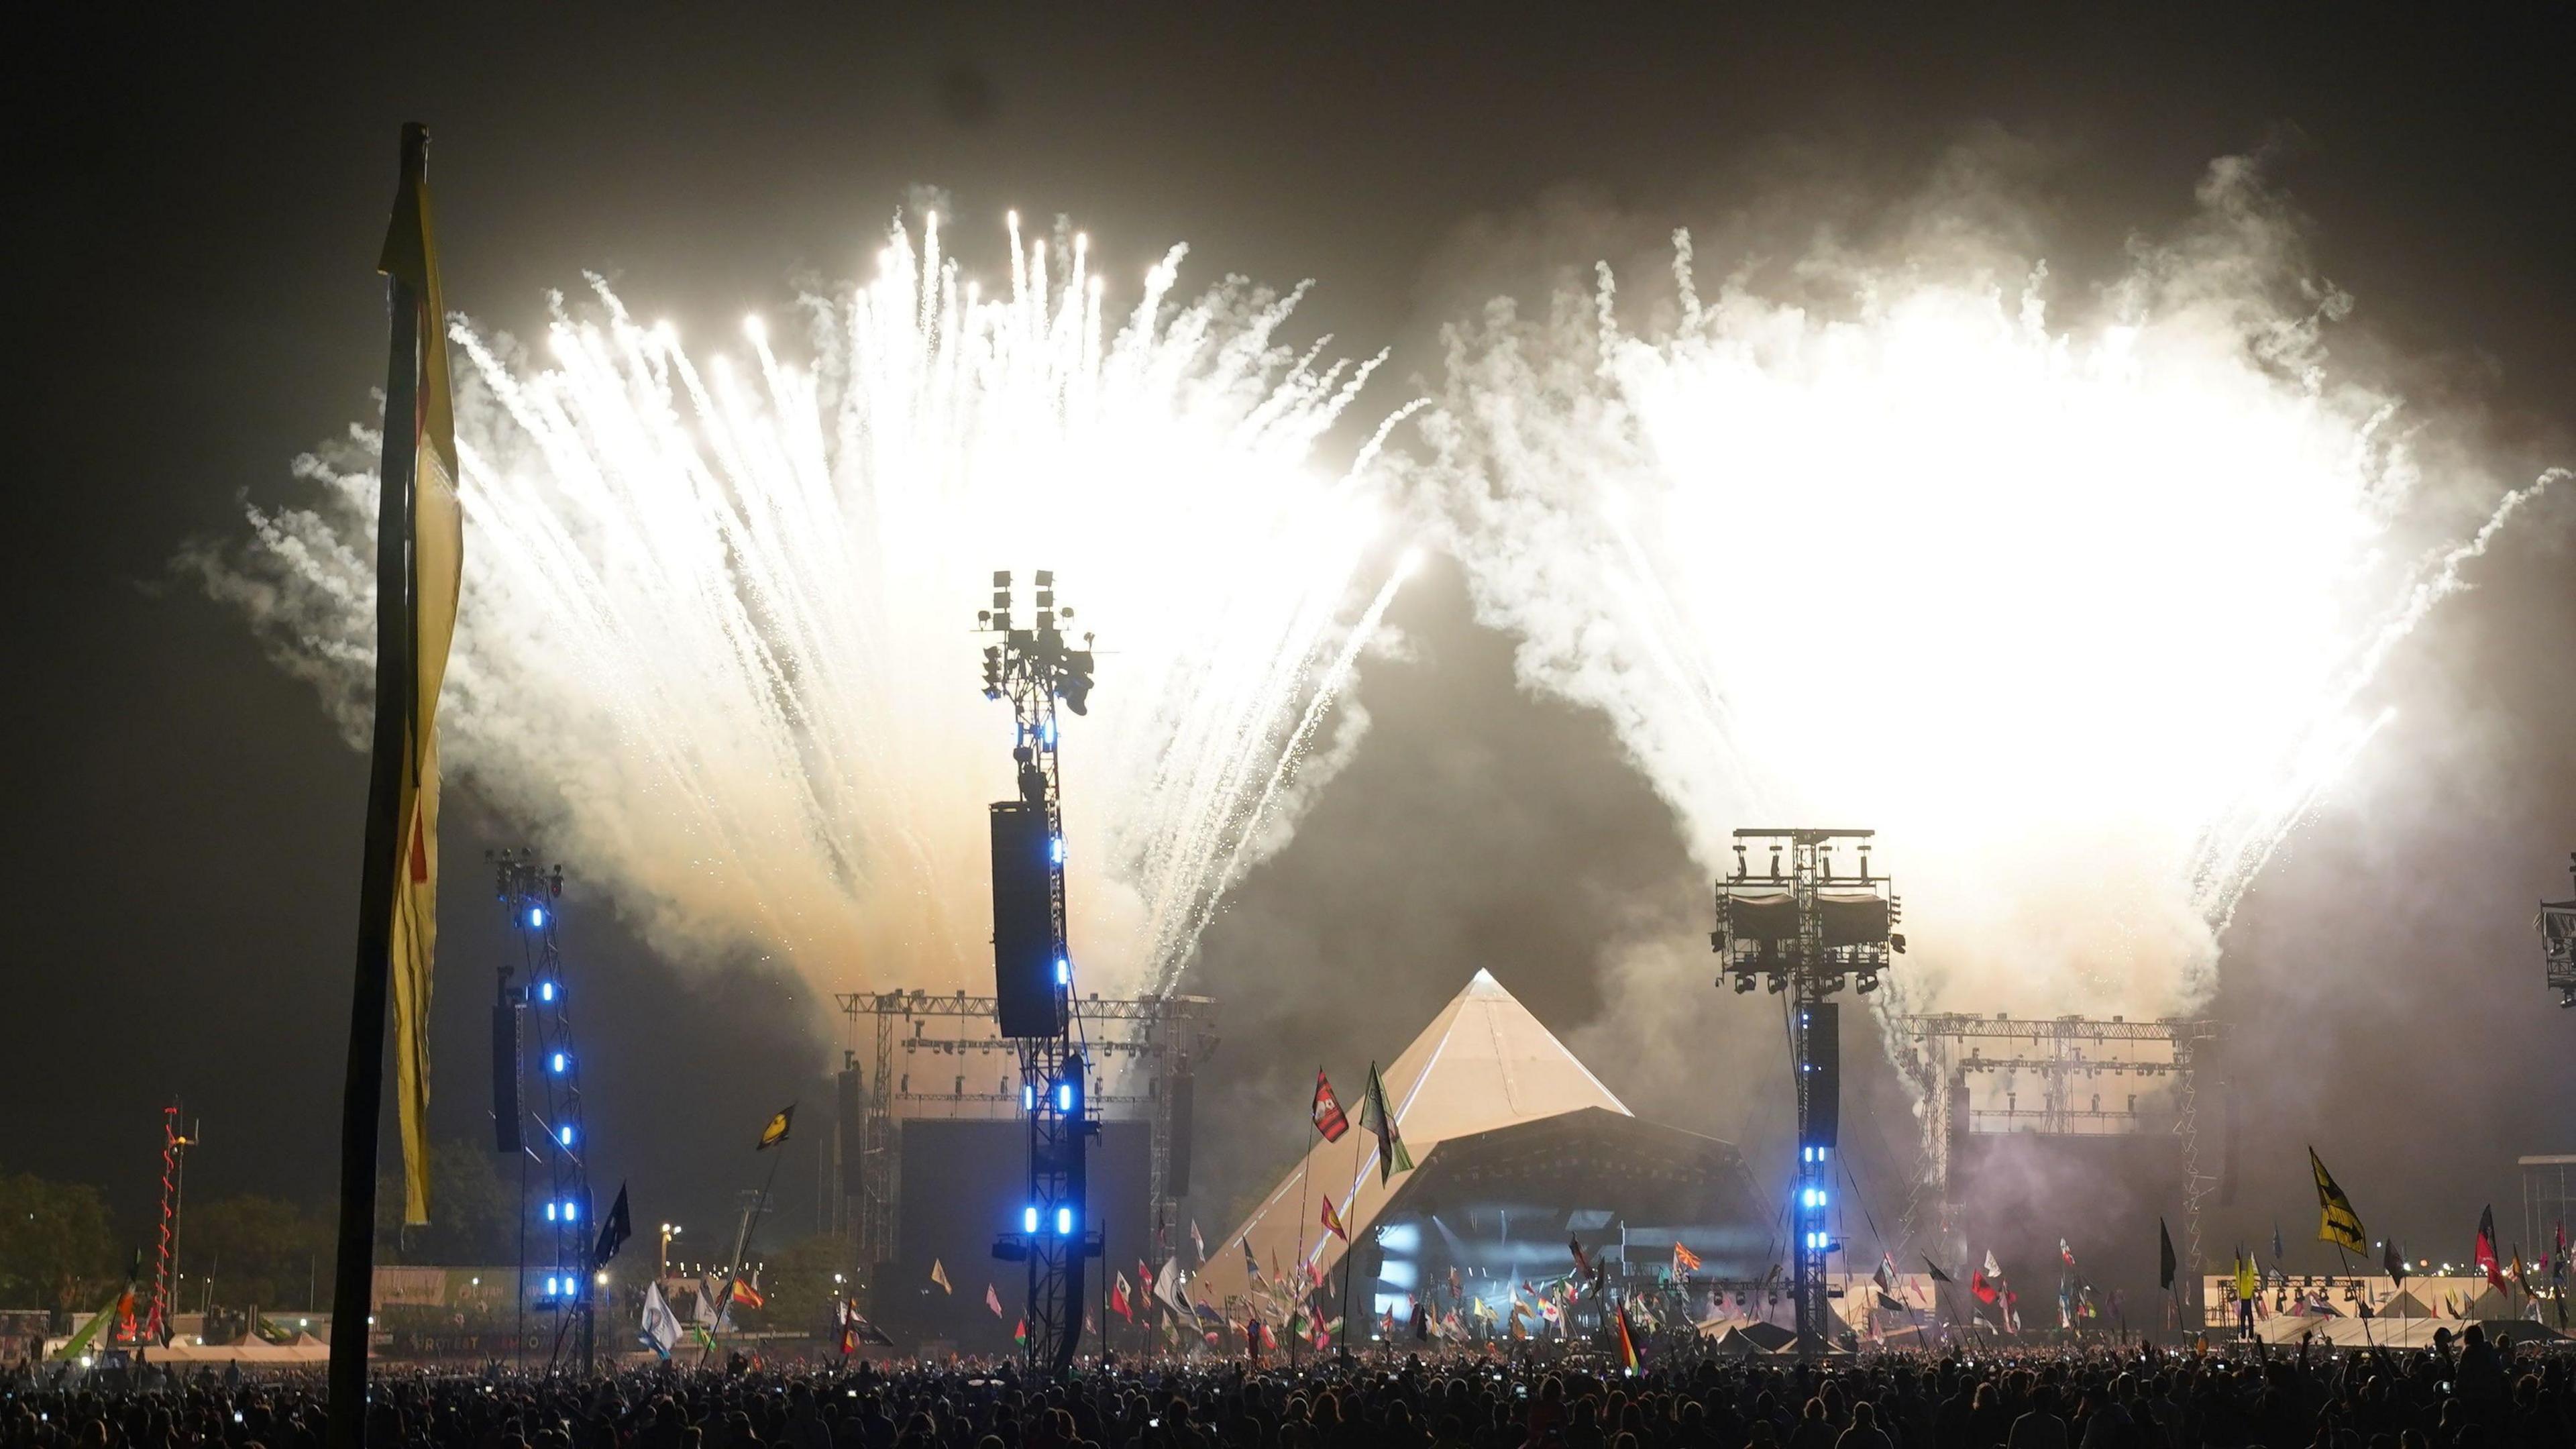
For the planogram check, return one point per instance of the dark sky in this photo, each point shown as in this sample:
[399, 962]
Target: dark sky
[193, 214]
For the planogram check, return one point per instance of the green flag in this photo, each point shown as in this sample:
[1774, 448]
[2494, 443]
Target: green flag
[1374, 1115]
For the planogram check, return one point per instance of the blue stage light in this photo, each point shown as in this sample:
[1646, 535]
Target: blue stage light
[1064, 1222]
[1058, 850]
[545, 991]
[558, 1062]
[1028, 1097]
[536, 918]
[550, 1217]
[1029, 1218]
[572, 1211]
[1064, 1096]
[1063, 972]
[563, 1134]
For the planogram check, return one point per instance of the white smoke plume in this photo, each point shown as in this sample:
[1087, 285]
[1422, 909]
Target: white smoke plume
[716, 643]
[2076, 595]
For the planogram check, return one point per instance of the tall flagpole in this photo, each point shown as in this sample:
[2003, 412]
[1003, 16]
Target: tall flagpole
[1305, 1179]
[362, 1091]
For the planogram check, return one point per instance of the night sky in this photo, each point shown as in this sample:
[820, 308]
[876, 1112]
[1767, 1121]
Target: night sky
[195, 208]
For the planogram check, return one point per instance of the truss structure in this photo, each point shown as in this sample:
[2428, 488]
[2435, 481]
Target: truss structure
[2067, 1076]
[926, 1056]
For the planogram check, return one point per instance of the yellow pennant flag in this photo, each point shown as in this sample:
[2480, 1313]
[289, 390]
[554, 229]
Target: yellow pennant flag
[2337, 1223]
[437, 530]
[776, 1131]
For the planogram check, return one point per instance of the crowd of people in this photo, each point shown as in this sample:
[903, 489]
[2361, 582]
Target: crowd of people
[2467, 1392]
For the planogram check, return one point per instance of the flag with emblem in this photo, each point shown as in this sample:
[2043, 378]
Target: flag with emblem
[1329, 1118]
[1333, 1220]
[2337, 1223]
[1377, 1117]
[775, 1131]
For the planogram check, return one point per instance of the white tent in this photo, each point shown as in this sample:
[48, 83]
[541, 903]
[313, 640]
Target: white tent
[1483, 1063]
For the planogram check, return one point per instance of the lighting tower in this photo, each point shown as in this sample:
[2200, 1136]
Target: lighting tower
[2558, 941]
[1806, 929]
[528, 893]
[1034, 667]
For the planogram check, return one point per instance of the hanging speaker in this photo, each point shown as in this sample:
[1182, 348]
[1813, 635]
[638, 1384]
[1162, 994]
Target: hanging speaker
[505, 1079]
[1027, 997]
[1820, 1123]
[853, 1103]
[1177, 1170]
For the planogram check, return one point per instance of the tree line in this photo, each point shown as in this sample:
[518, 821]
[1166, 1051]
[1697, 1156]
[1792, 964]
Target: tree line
[63, 1248]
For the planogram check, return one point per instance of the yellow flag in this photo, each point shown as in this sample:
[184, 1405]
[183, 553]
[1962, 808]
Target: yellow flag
[437, 530]
[2246, 1283]
[2337, 1223]
[776, 1131]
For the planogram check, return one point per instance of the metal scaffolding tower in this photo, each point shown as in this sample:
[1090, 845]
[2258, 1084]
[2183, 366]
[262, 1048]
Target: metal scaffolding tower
[1807, 929]
[528, 894]
[2064, 1060]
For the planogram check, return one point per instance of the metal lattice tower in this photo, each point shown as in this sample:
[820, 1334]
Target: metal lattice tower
[2067, 1057]
[165, 1263]
[528, 894]
[2557, 924]
[1034, 668]
[1808, 931]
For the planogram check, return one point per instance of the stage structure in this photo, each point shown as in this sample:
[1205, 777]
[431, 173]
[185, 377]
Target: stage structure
[529, 894]
[1143, 1054]
[2047, 1077]
[2557, 925]
[1035, 669]
[1806, 928]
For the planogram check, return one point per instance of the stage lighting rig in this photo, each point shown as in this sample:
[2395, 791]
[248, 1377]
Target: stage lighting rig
[1806, 927]
[1035, 668]
[2557, 925]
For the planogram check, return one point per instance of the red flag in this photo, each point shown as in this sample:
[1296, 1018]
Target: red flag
[1684, 1260]
[1329, 1118]
[1627, 1345]
[2487, 1247]
[1333, 1220]
[1118, 1299]
[1984, 1289]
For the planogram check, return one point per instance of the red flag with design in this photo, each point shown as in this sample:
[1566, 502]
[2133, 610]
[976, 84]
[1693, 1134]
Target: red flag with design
[2486, 1253]
[1118, 1299]
[1333, 1220]
[1329, 1118]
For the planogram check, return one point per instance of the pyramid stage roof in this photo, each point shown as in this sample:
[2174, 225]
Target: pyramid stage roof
[1492, 1108]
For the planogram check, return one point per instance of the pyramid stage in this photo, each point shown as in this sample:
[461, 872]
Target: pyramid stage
[1516, 1146]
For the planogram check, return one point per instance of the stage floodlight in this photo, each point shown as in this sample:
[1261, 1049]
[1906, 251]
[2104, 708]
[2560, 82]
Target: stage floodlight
[1029, 1218]
[1028, 1097]
[563, 1134]
[1063, 972]
[558, 1062]
[550, 1211]
[545, 991]
[1064, 1222]
[1064, 1096]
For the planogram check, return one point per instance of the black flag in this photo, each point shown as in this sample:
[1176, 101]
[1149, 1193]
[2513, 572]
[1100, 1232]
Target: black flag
[2164, 1257]
[1937, 1275]
[2394, 1261]
[614, 1230]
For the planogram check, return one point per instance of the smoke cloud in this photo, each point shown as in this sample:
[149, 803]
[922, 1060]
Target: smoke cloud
[2079, 595]
[716, 642]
